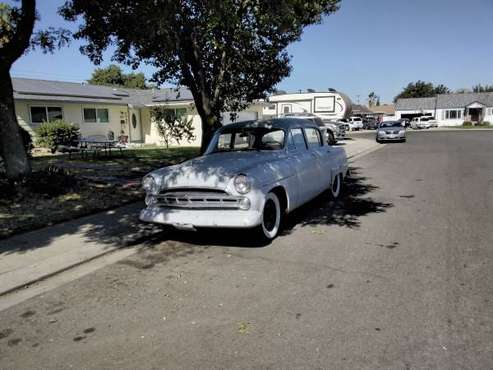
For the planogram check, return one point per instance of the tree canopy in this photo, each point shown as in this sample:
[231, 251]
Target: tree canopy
[482, 88]
[227, 52]
[421, 89]
[114, 76]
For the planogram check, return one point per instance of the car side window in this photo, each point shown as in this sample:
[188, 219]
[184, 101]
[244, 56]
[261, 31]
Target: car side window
[313, 137]
[296, 140]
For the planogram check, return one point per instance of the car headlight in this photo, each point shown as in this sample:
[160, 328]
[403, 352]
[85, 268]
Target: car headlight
[149, 184]
[381, 133]
[242, 184]
[402, 132]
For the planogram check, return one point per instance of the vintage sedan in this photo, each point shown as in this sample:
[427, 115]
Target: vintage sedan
[252, 174]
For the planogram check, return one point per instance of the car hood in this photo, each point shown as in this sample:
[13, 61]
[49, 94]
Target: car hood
[213, 170]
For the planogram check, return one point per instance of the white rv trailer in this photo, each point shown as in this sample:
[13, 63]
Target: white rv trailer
[330, 105]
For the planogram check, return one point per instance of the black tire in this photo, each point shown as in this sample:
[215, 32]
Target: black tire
[271, 218]
[331, 138]
[336, 187]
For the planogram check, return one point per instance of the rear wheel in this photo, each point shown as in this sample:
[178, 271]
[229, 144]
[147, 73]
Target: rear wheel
[271, 218]
[336, 187]
[331, 139]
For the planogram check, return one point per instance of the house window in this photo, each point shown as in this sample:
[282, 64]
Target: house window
[96, 115]
[177, 113]
[453, 114]
[45, 114]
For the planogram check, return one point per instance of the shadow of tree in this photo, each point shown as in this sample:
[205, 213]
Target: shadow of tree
[346, 211]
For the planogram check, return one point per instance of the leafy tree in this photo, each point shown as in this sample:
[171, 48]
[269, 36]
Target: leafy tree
[171, 126]
[421, 89]
[373, 99]
[114, 76]
[227, 52]
[480, 88]
[16, 36]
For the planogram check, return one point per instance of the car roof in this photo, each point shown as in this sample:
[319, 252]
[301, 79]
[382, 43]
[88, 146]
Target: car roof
[283, 123]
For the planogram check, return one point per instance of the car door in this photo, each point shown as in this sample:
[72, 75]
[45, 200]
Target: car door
[320, 156]
[302, 161]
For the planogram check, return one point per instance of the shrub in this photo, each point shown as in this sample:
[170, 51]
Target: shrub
[28, 146]
[53, 135]
[467, 124]
[484, 123]
[52, 181]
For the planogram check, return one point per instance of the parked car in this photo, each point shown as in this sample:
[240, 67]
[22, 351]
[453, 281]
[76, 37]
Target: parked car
[333, 132]
[370, 123]
[406, 122]
[391, 131]
[356, 123]
[252, 174]
[420, 122]
[433, 122]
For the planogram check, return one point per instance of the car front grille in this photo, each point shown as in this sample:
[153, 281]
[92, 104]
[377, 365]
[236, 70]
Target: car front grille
[198, 198]
[392, 132]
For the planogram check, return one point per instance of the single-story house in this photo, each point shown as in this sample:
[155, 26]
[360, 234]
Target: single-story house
[103, 110]
[448, 109]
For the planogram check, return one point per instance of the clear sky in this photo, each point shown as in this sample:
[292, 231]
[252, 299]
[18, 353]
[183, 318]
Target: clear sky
[378, 45]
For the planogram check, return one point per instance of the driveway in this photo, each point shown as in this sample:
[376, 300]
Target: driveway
[397, 275]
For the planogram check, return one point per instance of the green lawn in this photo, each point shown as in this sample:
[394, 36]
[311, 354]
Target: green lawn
[100, 183]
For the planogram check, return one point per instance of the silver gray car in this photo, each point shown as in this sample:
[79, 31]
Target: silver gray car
[391, 131]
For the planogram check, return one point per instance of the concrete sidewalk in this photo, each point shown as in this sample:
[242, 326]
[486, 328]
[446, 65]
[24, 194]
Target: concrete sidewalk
[37, 255]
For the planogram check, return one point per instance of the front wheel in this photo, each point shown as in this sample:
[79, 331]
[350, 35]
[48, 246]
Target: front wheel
[271, 218]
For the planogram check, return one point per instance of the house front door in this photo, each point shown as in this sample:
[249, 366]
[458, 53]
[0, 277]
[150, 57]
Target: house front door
[135, 126]
[475, 114]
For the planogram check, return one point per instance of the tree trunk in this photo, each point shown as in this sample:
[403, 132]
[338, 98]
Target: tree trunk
[12, 149]
[210, 122]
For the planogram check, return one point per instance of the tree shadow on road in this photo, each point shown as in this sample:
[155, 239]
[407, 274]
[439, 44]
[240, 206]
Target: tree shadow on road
[347, 211]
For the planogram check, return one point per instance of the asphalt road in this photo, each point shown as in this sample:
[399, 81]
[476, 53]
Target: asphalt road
[398, 275]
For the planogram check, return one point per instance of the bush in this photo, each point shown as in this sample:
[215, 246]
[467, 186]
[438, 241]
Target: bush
[467, 124]
[484, 123]
[53, 135]
[28, 146]
[51, 182]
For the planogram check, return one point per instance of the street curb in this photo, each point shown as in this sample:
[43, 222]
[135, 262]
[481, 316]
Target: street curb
[126, 243]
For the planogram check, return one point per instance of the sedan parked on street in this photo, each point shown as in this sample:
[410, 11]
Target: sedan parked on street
[420, 122]
[252, 174]
[391, 131]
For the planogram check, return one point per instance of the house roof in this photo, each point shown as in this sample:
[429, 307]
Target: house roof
[383, 109]
[463, 100]
[361, 109]
[415, 103]
[445, 101]
[32, 89]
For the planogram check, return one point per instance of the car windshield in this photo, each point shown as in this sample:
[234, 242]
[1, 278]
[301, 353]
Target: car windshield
[390, 124]
[248, 138]
[424, 119]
